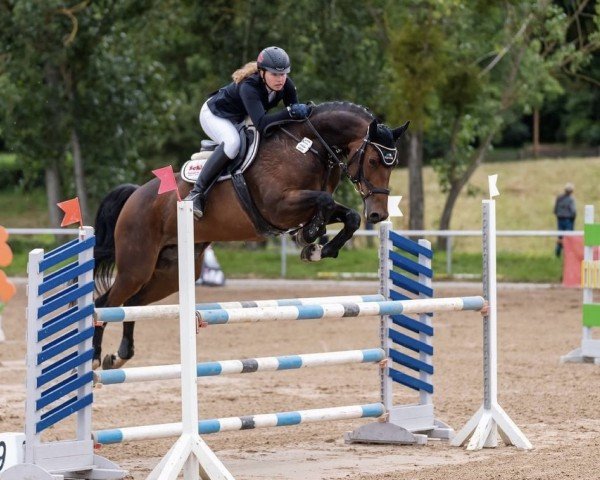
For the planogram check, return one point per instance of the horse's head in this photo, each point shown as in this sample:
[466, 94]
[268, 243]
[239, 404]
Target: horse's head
[370, 167]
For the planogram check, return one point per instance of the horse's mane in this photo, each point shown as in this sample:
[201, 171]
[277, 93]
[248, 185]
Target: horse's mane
[344, 106]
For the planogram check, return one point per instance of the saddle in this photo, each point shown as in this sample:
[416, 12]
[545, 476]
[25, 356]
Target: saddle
[249, 141]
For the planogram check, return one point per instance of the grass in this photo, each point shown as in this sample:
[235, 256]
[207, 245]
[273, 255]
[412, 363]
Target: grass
[363, 263]
[23, 209]
[527, 193]
[527, 188]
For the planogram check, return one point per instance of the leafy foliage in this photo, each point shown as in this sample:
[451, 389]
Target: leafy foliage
[128, 77]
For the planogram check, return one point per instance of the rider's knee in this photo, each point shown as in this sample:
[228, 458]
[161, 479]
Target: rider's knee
[231, 146]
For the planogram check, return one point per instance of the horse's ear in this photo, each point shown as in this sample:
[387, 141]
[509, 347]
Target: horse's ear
[373, 129]
[398, 132]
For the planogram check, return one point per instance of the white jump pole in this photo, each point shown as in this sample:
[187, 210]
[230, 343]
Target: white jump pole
[483, 427]
[190, 453]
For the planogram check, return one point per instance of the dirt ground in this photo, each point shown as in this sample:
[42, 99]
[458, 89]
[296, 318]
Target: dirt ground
[556, 406]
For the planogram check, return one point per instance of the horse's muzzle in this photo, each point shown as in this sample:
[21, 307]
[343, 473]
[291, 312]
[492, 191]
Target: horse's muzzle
[376, 217]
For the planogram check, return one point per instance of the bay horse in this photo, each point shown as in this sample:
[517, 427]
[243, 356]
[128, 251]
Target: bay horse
[136, 229]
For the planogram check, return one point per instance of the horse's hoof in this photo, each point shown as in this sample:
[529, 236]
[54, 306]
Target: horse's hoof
[109, 362]
[95, 363]
[112, 361]
[311, 253]
[299, 239]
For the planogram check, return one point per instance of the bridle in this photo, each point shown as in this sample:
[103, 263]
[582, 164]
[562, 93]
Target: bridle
[388, 156]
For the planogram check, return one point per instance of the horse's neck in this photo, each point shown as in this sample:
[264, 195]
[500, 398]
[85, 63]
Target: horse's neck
[340, 131]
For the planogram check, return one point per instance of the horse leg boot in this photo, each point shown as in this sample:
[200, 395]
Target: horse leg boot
[207, 178]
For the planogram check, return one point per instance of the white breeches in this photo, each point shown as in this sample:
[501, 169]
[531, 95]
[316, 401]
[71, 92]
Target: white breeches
[220, 130]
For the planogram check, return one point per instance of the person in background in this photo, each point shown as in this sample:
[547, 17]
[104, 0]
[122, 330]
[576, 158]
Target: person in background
[565, 211]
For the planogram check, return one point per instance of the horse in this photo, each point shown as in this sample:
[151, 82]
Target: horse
[136, 229]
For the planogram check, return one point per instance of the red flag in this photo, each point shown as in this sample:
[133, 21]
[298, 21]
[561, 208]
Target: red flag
[72, 212]
[167, 180]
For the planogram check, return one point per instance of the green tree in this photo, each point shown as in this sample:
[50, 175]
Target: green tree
[418, 62]
[521, 48]
[77, 91]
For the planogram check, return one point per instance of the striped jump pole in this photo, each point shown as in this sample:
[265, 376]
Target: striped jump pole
[339, 310]
[248, 365]
[312, 312]
[248, 422]
[171, 312]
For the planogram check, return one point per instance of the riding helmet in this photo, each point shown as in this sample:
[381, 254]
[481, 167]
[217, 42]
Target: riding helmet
[274, 60]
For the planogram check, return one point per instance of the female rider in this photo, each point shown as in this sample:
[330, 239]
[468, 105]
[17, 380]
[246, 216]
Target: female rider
[256, 88]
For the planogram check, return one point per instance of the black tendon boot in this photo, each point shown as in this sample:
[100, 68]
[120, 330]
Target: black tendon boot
[207, 178]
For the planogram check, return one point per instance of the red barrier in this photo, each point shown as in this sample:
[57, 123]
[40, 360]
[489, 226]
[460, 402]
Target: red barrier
[572, 258]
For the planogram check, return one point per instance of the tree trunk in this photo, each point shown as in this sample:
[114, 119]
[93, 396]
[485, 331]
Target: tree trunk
[536, 132]
[53, 193]
[80, 188]
[458, 184]
[415, 181]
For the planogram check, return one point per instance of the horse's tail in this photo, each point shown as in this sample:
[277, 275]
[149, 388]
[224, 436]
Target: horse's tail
[106, 220]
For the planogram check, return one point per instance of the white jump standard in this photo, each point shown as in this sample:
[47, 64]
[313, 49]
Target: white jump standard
[481, 430]
[407, 342]
[59, 365]
[589, 351]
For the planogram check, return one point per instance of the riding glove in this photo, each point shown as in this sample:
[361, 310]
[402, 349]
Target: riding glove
[299, 111]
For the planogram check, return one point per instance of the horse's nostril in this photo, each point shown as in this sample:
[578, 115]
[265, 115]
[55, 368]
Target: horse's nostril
[374, 217]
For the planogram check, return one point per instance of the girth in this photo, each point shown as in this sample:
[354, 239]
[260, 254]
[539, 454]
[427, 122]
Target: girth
[263, 227]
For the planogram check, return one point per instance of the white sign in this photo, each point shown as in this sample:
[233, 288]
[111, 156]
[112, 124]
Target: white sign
[12, 450]
[304, 145]
[394, 206]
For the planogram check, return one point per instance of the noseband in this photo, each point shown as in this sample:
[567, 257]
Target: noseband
[359, 180]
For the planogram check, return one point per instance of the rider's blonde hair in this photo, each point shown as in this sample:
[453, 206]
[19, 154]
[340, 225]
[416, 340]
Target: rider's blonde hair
[242, 73]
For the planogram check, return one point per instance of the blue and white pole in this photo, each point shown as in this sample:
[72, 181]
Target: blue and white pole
[229, 424]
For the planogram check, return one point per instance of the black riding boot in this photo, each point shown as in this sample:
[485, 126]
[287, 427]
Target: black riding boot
[207, 178]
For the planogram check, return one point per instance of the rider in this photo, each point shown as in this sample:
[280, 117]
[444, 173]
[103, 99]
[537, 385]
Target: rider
[256, 88]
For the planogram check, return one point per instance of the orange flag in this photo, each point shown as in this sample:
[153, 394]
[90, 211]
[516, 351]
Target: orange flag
[72, 212]
[167, 180]
[7, 289]
[6, 254]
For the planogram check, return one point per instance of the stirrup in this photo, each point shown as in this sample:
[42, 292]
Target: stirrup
[198, 204]
[198, 214]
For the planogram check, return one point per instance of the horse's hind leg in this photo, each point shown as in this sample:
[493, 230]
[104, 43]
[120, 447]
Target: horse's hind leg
[164, 282]
[99, 332]
[128, 282]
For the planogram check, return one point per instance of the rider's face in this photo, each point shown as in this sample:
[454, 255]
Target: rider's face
[275, 81]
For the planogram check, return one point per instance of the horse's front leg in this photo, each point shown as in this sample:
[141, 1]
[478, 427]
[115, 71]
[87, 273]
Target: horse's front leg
[338, 214]
[316, 227]
[351, 220]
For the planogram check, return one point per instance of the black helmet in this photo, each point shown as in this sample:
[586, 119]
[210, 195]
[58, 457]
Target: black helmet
[274, 60]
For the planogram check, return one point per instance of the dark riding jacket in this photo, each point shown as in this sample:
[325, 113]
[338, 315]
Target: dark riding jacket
[250, 97]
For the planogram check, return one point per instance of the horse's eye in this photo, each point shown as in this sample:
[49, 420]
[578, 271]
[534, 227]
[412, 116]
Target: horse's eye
[373, 162]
